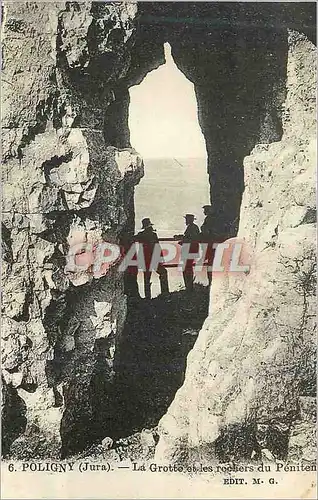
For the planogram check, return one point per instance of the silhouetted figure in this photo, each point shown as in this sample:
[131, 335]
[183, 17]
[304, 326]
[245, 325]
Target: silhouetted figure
[148, 238]
[207, 237]
[191, 236]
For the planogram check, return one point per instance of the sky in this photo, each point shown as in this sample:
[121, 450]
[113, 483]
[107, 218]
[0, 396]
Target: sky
[163, 119]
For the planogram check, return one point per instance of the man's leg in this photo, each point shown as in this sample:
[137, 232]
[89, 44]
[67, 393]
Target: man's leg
[147, 284]
[131, 284]
[188, 275]
[210, 256]
[163, 277]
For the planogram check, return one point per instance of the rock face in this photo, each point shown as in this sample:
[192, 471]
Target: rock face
[69, 178]
[303, 436]
[255, 355]
[63, 183]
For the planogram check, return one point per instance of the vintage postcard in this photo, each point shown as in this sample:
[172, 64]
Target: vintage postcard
[159, 250]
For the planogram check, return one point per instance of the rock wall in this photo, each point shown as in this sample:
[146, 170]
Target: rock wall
[236, 55]
[254, 359]
[64, 182]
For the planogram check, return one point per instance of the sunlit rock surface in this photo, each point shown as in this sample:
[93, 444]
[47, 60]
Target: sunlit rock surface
[255, 355]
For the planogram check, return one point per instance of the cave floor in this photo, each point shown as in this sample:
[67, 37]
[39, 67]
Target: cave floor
[151, 361]
[150, 367]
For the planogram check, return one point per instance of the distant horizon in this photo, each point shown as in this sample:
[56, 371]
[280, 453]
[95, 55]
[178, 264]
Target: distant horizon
[167, 192]
[174, 158]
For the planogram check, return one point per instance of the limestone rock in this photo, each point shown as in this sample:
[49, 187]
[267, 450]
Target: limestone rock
[303, 436]
[61, 62]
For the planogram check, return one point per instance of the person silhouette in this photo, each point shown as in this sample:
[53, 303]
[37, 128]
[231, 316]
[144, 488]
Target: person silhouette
[192, 237]
[207, 237]
[149, 239]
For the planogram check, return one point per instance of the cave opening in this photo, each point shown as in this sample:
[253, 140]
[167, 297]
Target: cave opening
[158, 334]
[234, 96]
[232, 108]
[164, 129]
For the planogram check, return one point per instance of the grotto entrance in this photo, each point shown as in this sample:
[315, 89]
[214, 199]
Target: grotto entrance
[233, 98]
[239, 88]
[164, 129]
[158, 334]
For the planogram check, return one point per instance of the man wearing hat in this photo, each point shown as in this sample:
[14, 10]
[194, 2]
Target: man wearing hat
[207, 237]
[148, 238]
[191, 236]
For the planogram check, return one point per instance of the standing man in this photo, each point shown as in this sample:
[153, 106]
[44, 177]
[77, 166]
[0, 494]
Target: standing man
[148, 238]
[192, 237]
[207, 237]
